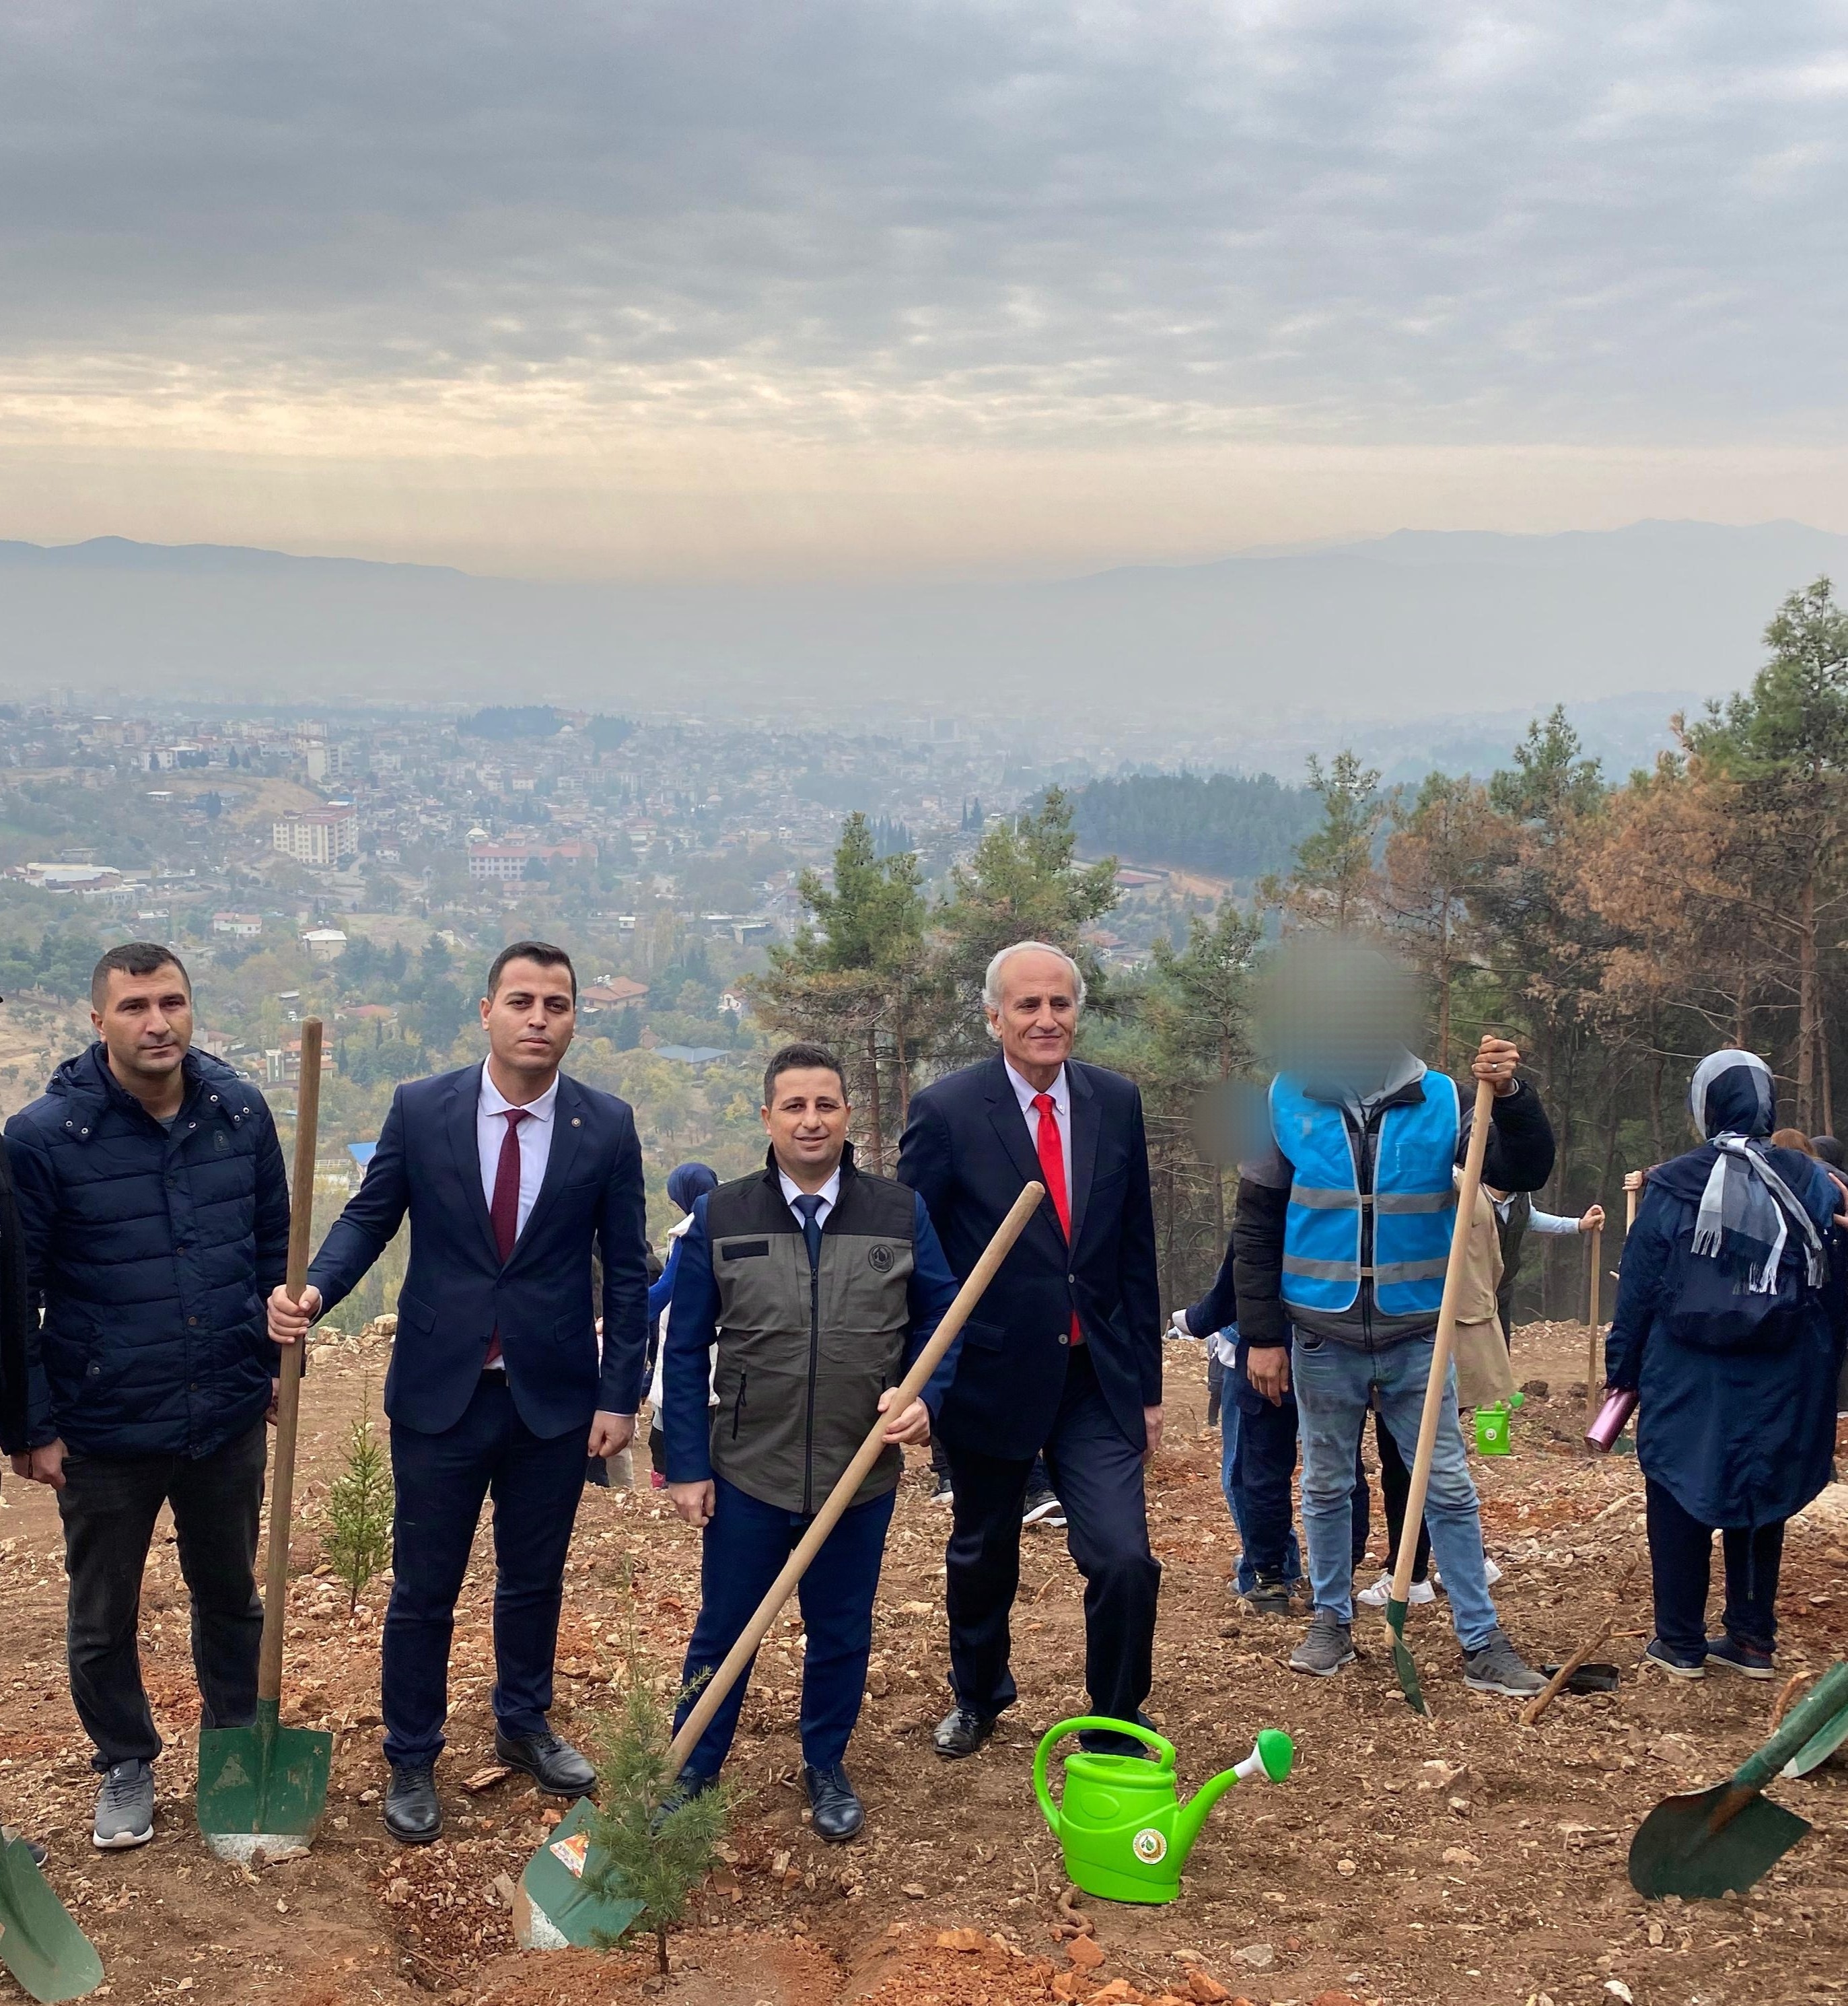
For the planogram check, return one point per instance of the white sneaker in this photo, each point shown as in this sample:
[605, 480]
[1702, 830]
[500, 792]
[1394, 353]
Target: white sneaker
[1381, 1593]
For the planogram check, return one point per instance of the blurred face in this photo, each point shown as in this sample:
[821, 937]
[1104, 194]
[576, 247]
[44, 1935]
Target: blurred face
[529, 1020]
[806, 1123]
[145, 1023]
[1038, 1015]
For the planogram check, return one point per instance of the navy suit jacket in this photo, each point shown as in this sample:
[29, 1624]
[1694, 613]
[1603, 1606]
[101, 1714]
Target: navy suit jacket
[968, 1152]
[456, 1292]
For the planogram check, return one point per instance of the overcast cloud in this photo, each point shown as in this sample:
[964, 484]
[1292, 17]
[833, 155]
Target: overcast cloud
[606, 242]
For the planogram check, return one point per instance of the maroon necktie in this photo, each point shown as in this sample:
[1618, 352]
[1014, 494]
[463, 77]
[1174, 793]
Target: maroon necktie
[505, 1210]
[1052, 1168]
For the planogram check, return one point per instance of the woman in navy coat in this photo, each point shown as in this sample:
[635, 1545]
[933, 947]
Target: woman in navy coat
[1726, 1327]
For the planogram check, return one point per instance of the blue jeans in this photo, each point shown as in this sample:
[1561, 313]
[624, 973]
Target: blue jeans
[1252, 1445]
[1334, 1383]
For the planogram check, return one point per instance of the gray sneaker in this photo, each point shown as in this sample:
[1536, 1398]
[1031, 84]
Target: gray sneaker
[125, 1807]
[1328, 1646]
[1498, 1667]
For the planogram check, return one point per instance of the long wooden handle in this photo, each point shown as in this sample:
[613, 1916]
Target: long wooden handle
[713, 1692]
[1629, 1209]
[288, 1404]
[1550, 1691]
[1593, 1396]
[1446, 1337]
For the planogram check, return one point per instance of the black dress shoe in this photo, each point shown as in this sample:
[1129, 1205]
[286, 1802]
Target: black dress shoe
[412, 1815]
[1101, 1741]
[555, 1765]
[838, 1813]
[961, 1731]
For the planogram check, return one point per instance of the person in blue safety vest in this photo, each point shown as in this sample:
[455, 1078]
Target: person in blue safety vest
[1342, 1237]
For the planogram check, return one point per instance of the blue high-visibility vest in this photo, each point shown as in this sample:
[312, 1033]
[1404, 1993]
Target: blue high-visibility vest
[1413, 1201]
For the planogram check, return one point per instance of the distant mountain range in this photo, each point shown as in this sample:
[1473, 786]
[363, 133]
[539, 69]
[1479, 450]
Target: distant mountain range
[1269, 649]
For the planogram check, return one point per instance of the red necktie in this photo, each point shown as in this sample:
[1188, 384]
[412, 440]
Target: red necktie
[1052, 1169]
[505, 1210]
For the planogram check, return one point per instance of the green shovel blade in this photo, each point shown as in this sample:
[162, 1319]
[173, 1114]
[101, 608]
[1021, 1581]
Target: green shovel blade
[1402, 1658]
[39, 1943]
[1687, 1847]
[1819, 1747]
[555, 1909]
[262, 1787]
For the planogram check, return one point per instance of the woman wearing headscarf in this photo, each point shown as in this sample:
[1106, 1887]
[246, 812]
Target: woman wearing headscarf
[1723, 1329]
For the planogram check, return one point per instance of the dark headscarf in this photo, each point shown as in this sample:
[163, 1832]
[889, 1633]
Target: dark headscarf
[1747, 1210]
[687, 1183]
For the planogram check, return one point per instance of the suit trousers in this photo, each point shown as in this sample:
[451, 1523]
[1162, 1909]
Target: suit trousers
[441, 1480]
[743, 1550]
[1098, 1474]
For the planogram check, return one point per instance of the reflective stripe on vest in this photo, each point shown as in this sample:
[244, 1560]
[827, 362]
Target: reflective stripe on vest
[1413, 1203]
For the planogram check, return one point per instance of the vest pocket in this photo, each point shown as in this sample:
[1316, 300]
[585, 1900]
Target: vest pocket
[738, 1404]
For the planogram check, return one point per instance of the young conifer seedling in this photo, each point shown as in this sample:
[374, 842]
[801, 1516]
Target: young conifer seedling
[358, 1540]
[649, 1842]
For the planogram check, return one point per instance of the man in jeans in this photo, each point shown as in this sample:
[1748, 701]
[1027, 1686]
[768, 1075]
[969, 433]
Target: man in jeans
[154, 1210]
[1343, 1229]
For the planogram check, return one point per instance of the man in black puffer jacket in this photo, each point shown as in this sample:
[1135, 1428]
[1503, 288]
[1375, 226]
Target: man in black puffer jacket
[155, 1213]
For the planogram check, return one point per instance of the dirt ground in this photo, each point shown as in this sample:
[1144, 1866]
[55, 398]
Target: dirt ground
[1460, 1858]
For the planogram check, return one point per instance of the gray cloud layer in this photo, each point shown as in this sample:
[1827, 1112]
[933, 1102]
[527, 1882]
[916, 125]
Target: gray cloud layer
[1331, 220]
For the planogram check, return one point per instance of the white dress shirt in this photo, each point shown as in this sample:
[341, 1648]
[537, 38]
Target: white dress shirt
[829, 1194]
[536, 1141]
[1061, 1091]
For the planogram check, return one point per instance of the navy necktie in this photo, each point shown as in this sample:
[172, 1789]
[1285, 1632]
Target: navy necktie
[808, 1204]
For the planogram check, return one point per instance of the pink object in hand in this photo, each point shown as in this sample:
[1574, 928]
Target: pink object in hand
[1612, 1416]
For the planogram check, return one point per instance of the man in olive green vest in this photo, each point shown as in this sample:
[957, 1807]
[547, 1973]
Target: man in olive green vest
[819, 1284]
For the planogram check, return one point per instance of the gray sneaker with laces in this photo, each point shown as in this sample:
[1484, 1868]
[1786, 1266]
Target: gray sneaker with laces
[1498, 1667]
[125, 1807]
[1328, 1646]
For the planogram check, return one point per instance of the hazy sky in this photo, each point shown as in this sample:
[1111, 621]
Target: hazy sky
[811, 287]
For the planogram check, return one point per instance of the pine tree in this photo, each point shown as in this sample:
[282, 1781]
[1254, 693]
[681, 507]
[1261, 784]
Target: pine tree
[646, 1844]
[358, 1541]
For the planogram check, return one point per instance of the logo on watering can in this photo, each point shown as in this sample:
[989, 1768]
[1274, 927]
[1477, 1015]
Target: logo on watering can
[1151, 1845]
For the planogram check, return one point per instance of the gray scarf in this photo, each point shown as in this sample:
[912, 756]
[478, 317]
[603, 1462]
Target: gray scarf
[1747, 1210]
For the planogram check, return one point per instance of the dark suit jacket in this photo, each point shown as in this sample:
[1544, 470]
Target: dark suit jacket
[456, 1292]
[968, 1151]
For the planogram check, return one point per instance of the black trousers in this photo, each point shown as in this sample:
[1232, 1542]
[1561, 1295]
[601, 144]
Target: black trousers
[1681, 1553]
[1098, 1475]
[441, 1481]
[1395, 1485]
[109, 1505]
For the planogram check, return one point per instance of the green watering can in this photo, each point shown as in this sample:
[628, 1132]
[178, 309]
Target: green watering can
[1491, 1427]
[1125, 1834]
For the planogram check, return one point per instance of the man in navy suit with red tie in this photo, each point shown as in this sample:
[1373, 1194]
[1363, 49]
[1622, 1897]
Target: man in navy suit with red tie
[1063, 1355]
[512, 1173]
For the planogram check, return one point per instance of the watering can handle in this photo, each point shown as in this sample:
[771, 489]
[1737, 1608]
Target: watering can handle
[1042, 1754]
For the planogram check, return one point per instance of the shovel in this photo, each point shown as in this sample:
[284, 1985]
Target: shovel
[1703, 1844]
[1434, 1392]
[552, 1908]
[263, 1788]
[39, 1944]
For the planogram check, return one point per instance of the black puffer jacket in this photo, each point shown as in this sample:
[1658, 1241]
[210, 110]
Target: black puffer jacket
[151, 1252]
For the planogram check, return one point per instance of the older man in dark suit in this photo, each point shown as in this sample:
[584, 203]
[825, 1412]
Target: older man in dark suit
[512, 1173]
[1064, 1357]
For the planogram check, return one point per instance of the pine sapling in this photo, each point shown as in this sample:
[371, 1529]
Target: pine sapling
[358, 1541]
[647, 1844]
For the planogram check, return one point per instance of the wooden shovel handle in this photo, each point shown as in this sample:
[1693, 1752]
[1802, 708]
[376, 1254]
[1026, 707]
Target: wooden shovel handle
[1594, 1394]
[1446, 1337]
[288, 1403]
[713, 1692]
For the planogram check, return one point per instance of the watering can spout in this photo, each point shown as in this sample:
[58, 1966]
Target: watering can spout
[1271, 1761]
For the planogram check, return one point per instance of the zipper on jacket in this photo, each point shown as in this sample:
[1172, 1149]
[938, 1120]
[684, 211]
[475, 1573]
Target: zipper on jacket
[738, 1404]
[808, 1432]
